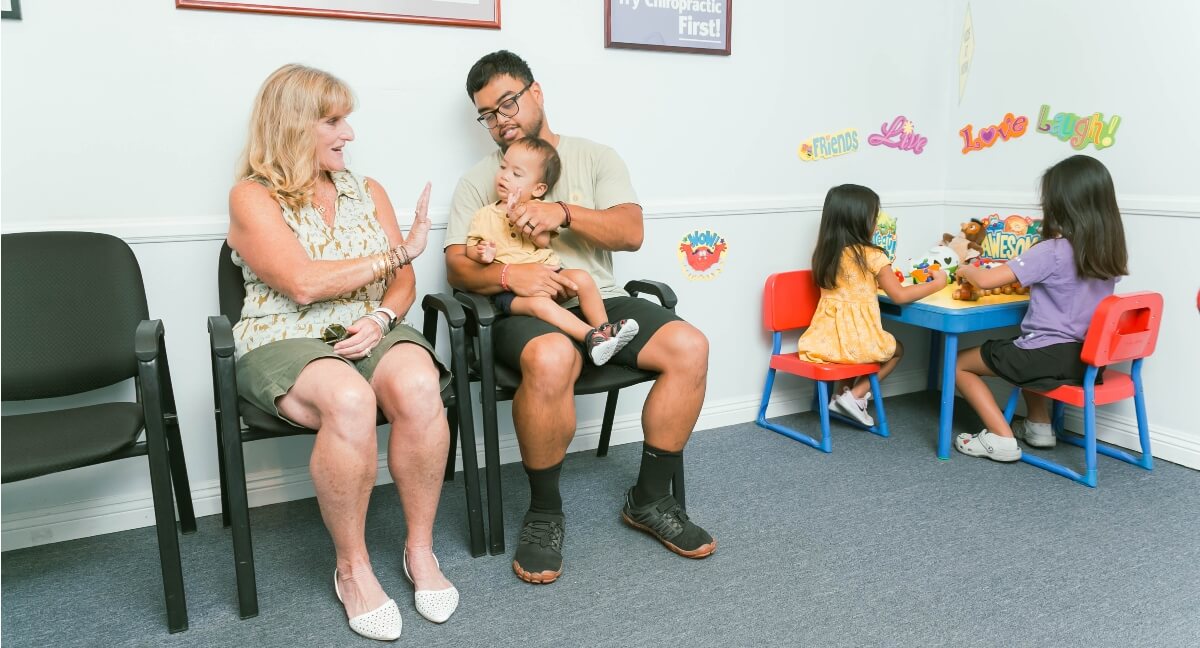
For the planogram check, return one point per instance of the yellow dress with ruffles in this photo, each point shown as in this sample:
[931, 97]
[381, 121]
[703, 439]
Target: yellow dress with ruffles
[846, 328]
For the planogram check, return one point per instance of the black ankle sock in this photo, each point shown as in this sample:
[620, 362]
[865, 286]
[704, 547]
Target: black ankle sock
[543, 489]
[654, 480]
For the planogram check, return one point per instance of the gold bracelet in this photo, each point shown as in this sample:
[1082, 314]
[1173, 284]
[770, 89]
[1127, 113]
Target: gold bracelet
[378, 267]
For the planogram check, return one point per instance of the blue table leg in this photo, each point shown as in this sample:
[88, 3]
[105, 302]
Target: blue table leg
[935, 345]
[946, 419]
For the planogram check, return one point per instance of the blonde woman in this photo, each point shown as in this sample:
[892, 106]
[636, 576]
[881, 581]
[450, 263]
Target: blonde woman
[321, 343]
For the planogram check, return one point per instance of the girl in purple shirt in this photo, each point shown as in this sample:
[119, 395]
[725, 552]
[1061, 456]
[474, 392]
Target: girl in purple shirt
[1077, 264]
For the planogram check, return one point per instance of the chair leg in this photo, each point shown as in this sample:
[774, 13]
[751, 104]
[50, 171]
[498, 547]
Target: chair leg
[233, 469]
[491, 456]
[610, 411]
[164, 518]
[762, 421]
[452, 453]
[1139, 405]
[823, 405]
[1010, 409]
[881, 425]
[179, 476]
[224, 480]
[1089, 440]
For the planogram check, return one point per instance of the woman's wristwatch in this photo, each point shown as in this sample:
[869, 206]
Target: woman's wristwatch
[389, 313]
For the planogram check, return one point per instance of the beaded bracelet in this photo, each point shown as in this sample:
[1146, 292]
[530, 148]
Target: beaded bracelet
[504, 278]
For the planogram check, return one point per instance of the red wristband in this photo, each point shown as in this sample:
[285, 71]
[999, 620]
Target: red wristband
[566, 224]
[504, 278]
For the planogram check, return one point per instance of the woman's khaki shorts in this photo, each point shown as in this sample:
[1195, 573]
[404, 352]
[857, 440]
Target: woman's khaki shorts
[268, 372]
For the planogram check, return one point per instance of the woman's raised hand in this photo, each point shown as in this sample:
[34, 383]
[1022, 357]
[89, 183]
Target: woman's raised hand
[418, 235]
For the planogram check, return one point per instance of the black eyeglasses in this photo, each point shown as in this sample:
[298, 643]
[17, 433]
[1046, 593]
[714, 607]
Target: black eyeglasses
[509, 108]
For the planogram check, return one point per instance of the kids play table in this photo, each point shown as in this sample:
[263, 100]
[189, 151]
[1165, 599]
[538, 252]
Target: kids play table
[946, 319]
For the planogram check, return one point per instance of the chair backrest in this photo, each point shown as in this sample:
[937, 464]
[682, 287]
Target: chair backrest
[1125, 327]
[231, 286]
[789, 300]
[72, 304]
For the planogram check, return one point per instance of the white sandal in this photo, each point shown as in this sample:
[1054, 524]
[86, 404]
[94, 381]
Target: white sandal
[383, 623]
[984, 445]
[435, 605]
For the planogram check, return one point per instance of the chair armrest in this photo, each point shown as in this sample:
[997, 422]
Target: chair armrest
[477, 306]
[447, 305]
[147, 340]
[662, 291]
[220, 335]
[441, 303]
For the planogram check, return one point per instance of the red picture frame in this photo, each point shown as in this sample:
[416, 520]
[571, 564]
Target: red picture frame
[485, 16]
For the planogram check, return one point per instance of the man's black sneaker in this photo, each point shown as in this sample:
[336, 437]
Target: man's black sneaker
[667, 521]
[539, 550]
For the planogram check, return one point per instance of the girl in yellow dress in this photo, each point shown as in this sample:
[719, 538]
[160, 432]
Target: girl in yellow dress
[846, 328]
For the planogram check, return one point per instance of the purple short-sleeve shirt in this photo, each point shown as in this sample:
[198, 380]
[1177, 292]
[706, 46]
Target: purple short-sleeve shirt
[1061, 303]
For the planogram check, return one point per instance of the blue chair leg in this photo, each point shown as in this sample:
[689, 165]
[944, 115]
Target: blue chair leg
[1139, 404]
[1011, 408]
[1056, 421]
[881, 427]
[795, 435]
[823, 406]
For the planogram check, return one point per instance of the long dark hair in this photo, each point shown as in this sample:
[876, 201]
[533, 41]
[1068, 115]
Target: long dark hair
[847, 220]
[1079, 204]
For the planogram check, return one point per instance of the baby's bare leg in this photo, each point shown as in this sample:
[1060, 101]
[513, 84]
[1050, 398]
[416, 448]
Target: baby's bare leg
[549, 311]
[590, 301]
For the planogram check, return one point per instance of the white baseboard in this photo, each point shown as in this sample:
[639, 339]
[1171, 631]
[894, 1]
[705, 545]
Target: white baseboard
[111, 514]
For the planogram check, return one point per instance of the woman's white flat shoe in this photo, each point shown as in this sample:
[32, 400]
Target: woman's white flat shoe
[435, 605]
[383, 623]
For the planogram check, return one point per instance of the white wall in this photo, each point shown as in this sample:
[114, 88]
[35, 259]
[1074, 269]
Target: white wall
[136, 112]
[1136, 60]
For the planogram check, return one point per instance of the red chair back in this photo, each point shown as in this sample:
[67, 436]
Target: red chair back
[789, 300]
[1125, 327]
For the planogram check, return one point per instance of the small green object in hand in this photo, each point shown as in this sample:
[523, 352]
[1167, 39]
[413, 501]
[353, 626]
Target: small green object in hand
[334, 333]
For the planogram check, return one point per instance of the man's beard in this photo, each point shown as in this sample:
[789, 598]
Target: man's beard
[535, 131]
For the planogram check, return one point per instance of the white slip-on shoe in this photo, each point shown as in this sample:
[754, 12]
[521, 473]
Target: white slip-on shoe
[847, 405]
[1037, 435]
[383, 623]
[435, 605]
[986, 444]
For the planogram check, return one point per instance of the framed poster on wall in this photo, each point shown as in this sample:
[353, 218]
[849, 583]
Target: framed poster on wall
[694, 26]
[10, 9]
[459, 13]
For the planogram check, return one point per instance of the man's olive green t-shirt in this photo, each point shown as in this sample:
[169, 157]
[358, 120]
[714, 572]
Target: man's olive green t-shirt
[593, 176]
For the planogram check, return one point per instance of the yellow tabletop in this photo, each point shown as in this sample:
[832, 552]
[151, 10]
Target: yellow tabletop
[943, 299]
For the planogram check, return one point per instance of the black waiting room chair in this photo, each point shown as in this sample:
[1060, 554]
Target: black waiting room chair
[499, 382]
[238, 421]
[75, 320]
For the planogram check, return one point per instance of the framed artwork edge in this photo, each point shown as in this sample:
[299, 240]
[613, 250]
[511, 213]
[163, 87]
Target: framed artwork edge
[609, 43]
[14, 13]
[251, 7]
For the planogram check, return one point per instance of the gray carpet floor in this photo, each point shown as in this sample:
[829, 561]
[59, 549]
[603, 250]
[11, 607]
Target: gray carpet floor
[876, 544]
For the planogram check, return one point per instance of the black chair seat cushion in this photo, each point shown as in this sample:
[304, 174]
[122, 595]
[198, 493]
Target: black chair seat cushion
[264, 425]
[48, 442]
[593, 380]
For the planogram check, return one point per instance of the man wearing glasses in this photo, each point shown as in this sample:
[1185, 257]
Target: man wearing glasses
[595, 212]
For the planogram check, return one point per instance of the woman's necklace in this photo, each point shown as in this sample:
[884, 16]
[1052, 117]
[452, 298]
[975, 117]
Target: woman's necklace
[320, 207]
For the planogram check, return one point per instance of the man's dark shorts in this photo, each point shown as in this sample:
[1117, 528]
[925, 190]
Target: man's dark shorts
[512, 333]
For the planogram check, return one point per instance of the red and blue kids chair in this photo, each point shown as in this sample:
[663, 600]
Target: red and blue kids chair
[1124, 327]
[789, 301]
